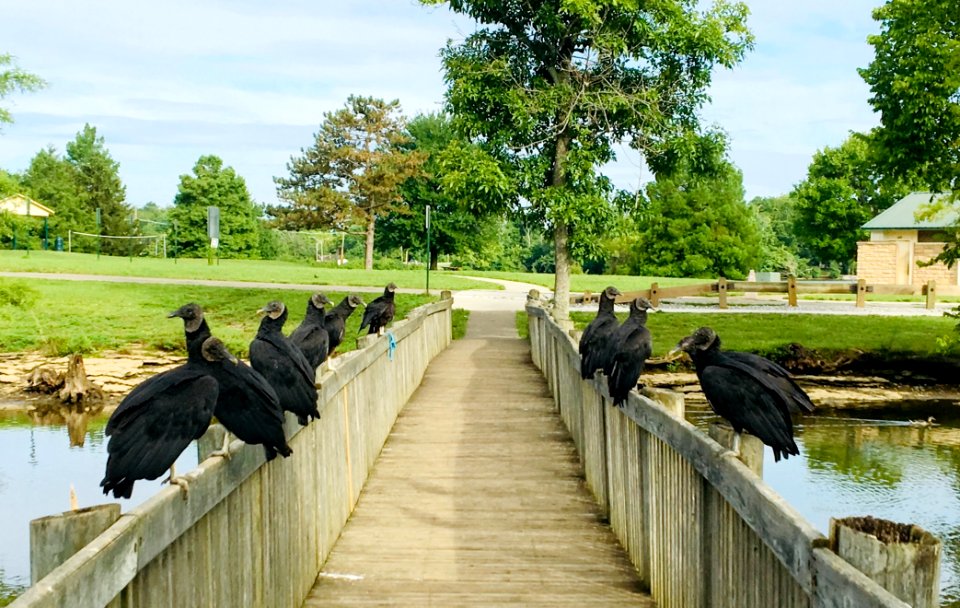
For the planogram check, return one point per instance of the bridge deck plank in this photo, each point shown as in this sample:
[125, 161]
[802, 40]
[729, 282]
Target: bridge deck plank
[477, 498]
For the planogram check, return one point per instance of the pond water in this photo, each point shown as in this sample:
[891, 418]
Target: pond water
[40, 459]
[873, 462]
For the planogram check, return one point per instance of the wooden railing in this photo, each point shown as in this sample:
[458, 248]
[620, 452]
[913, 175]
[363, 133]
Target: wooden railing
[700, 527]
[252, 533]
[792, 287]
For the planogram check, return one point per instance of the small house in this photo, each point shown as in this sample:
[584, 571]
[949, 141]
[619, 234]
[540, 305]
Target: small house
[19, 204]
[898, 241]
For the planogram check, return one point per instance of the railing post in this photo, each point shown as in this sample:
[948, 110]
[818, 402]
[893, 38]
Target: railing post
[902, 558]
[587, 296]
[446, 294]
[655, 294]
[751, 448]
[54, 539]
[861, 293]
[792, 291]
[722, 290]
[931, 294]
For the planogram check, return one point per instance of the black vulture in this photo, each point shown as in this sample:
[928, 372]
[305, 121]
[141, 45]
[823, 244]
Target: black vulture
[283, 365]
[752, 393]
[380, 312]
[335, 321]
[311, 336]
[247, 405]
[631, 345]
[154, 423]
[593, 342]
[194, 323]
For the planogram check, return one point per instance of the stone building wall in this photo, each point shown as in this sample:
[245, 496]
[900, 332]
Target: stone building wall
[938, 272]
[877, 261]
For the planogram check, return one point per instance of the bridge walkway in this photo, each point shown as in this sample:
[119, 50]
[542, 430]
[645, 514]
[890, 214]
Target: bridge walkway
[477, 498]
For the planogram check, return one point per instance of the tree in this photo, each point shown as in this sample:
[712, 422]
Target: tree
[842, 191]
[696, 224]
[98, 179]
[212, 184]
[13, 79]
[353, 172]
[549, 86]
[53, 181]
[453, 228]
[915, 81]
[777, 224]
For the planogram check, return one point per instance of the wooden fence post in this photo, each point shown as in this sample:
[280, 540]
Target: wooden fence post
[792, 291]
[446, 294]
[211, 441]
[861, 293]
[722, 290]
[931, 294]
[54, 539]
[655, 294]
[587, 296]
[902, 558]
[751, 448]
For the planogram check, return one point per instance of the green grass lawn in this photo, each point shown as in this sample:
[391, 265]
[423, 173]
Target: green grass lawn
[70, 317]
[768, 333]
[581, 282]
[229, 270]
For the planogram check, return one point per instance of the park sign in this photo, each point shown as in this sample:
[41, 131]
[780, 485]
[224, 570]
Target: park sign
[213, 225]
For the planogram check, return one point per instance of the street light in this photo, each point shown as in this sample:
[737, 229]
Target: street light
[427, 220]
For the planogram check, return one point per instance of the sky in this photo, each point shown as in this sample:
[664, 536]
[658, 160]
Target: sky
[249, 81]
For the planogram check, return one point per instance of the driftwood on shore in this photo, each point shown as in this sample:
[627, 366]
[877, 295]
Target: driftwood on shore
[71, 386]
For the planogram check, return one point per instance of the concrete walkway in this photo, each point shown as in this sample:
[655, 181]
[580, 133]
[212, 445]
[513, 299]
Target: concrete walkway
[477, 498]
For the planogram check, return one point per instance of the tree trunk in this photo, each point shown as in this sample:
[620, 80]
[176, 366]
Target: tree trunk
[368, 254]
[561, 232]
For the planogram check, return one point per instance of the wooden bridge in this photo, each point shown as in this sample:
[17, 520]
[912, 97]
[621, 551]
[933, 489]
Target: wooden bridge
[443, 475]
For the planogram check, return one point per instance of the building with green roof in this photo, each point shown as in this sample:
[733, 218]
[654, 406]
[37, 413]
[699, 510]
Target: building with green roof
[899, 241]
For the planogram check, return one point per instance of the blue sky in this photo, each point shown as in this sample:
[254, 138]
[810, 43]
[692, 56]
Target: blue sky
[167, 82]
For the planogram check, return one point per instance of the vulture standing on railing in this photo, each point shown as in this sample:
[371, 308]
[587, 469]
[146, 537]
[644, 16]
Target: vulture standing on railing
[631, 346]
[593, 342]
[379, 312]
[311, 336]
[752, 393]
[283, 365]
[335, 321]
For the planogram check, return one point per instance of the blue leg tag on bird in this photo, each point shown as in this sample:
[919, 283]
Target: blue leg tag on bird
[391, 345]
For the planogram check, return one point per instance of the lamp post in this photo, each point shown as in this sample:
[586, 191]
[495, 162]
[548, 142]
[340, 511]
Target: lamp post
[427, 219]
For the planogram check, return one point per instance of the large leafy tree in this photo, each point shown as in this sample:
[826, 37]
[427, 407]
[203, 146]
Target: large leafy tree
[915, 82]
[549, 86]
[695, 223]
[212, 184]
[352, 173]
[53, 180]
[98, 178]
[844, 188]
[12, 80]
[777, 223]
[453, 228]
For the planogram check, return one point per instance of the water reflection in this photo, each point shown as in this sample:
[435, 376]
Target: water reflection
[41, 455]
[873, 462]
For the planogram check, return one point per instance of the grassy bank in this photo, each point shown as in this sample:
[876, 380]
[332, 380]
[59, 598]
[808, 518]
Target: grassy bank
[59, 317]
[582, 282]
[770, 333]
[228, 270]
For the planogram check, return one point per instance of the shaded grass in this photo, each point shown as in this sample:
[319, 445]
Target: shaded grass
[593, 282]
[768, 334]
[228, 270]
[459, 320]
[523, 330]
[91, 317]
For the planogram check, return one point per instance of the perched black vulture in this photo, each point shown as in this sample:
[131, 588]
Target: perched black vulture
[593, 342]
[631, 345]
[247, 405]
[283, 365]
[155, 422]
[380, 312]
[753, 394]
[311, 336]
[335, 321]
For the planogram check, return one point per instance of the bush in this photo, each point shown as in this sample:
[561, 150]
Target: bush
[18, 293]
